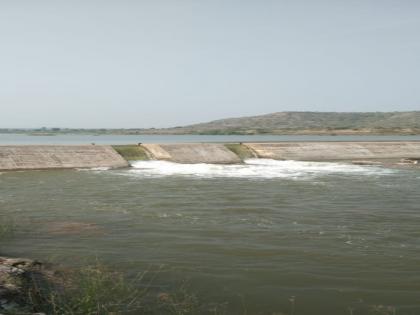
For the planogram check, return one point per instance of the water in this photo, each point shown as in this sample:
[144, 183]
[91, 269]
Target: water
[334, 238]
[12, 139]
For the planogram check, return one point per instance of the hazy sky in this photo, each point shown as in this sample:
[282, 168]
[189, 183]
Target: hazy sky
[138, 63]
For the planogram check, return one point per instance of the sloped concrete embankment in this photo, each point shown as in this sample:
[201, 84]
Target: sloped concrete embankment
[193, 153]
[59, 157]
[92, 156]
[335, 151]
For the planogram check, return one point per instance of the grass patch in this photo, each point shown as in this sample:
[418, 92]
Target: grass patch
[7, 227]
[132, 152]
[97, 290]
[240, 150]
[91, 290]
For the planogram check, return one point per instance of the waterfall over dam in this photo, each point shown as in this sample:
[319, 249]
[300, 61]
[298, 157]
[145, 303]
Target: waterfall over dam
[93, 156]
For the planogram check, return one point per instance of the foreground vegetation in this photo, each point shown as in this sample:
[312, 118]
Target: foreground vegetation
[7, 227]
[98, 290]
[92, 290]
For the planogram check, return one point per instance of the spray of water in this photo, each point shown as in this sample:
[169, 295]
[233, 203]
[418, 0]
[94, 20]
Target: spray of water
[252, 168]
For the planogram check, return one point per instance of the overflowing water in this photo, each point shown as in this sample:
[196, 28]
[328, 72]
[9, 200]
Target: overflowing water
[253, 168]
[259, 238]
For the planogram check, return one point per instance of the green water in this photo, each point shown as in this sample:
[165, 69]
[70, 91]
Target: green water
[337, 240]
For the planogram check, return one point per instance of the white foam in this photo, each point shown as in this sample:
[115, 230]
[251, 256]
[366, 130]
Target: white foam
[252, 168]
[101, 168]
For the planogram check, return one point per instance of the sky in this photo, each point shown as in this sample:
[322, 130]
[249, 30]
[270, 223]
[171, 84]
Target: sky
[162, 63]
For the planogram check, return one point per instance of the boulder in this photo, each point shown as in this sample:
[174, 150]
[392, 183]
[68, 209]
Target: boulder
[16, 274]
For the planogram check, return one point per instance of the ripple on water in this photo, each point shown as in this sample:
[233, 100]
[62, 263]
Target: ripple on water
[241, 231]
[72, 228]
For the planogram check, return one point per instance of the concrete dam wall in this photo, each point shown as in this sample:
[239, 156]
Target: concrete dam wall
[91, 156]
[193, 153]
[59, 157]
[301, 151]
[334, 151]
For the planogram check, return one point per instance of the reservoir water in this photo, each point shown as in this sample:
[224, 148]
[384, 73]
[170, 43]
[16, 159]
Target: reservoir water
[14, 139]
[266, 237]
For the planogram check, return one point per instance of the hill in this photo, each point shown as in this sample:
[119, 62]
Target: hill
[309, 123]
[298, 123]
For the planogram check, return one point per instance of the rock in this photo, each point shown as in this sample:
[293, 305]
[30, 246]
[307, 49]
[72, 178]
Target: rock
[414, 161]
[15, 274]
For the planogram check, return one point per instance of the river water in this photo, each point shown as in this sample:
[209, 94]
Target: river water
[257, 238]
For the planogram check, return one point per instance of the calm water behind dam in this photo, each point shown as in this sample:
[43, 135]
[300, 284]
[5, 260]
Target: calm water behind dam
[24, 139]
[336, 239]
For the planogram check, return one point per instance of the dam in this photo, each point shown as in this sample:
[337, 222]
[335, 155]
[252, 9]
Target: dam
[335, 151]
[191, 153]
[34, 157]
[266, 229]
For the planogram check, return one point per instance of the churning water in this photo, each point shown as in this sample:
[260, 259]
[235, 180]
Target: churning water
[329, 238]
[252, 168]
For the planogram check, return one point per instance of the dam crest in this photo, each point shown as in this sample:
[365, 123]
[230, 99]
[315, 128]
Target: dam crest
[33, 157]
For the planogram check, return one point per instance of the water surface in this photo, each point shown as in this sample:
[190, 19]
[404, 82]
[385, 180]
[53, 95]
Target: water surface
[334, 238]
[14, 139]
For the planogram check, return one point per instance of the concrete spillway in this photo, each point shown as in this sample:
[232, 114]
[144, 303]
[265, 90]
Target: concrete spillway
[59, 157]
[324, 151]
[193, 153]
[91, 156]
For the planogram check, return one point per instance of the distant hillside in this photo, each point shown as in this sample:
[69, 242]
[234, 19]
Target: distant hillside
[298, 123]
[308, 123]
